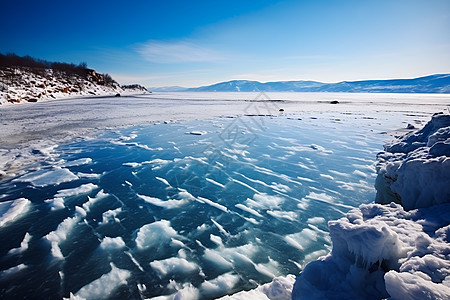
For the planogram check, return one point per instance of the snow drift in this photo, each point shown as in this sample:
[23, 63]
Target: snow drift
[399, 247]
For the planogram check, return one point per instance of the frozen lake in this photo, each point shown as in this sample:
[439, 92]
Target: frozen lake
[213, 192]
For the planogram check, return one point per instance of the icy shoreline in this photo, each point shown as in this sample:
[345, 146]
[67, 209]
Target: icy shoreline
[390, 250]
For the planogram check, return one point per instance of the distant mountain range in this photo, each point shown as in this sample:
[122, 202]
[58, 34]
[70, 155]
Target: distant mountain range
[439, 83]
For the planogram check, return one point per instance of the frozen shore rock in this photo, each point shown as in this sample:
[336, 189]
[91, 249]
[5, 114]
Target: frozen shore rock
[393, 250]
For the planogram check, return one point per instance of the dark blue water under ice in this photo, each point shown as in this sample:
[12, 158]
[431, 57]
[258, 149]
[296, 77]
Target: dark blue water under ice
[217, 205]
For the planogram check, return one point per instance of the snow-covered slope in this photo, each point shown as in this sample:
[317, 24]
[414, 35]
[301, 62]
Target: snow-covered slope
[24, 85]
[386, 250]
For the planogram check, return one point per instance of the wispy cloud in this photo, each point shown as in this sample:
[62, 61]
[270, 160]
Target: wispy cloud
[177, 52]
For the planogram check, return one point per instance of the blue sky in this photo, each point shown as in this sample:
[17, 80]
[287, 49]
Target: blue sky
[192, 43]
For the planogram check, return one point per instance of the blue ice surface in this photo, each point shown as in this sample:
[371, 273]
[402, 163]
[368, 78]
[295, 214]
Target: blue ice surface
[256, 191]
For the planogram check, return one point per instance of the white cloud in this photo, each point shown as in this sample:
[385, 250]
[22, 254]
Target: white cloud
[176, 52]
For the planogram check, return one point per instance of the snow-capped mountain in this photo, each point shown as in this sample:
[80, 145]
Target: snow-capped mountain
[439, 83]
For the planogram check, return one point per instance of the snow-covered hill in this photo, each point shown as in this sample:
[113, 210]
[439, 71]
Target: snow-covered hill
[24, 84]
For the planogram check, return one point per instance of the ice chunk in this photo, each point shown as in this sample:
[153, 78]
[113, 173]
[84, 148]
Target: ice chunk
[212, 204]
[46, 177]
[301, 240]
[265, 201]
[12, 270]
[109, 243]
[132, 164]
[279, 214]
[104, 286]
[249, 210]
[173, 265]
[169, 204]
[155, 235]
[219, 285]
[215, 182]
[216, 258]
[315, 220]
[82, 189]
[198, 132]
[100, 195]
[414, 286]
[13, 210]
[55, 203]
[23, 245]
[63, 230]
[88, 175]
[327, 176]
[278, 289]
[163, 181]
[77, 162]
[111, 215]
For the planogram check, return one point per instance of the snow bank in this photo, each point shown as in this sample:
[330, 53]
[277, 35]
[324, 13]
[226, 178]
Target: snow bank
[415, 170]
[388, 250]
